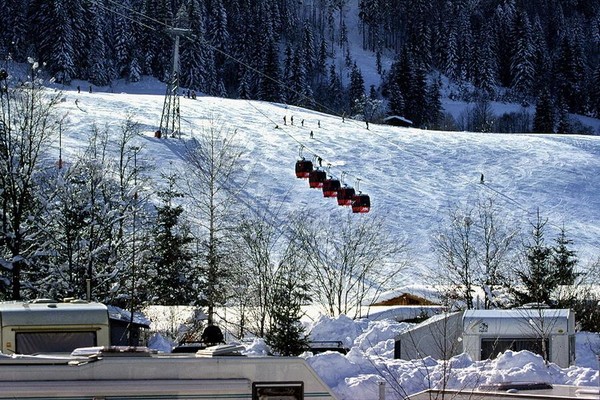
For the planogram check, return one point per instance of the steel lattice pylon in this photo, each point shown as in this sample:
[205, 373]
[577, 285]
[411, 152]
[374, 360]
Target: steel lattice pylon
[170, 121]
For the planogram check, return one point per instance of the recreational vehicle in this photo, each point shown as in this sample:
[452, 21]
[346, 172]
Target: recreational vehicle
[136, 373]
[483, 334]
[435, 337]
[47, 326]
[548, 332]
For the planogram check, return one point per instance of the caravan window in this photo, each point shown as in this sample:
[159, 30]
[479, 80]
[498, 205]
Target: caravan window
[277, 391]
[53, 342]
[490, 347]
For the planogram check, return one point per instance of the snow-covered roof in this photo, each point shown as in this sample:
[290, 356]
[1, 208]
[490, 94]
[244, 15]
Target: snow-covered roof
[397, 117]
[117, 313]
[402, 313]
[427, 292]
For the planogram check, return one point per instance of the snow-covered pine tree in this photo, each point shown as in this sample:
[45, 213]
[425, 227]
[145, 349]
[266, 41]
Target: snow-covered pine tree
[595, 92]
[484, 66]
[99, 72]
[564, 259]
[503, 20]
[308, 51]
[192, 50]
[299, 90]
[542, 62]
[286, 335]
[568, 70]
[356, 90]
[536, 278]
[335, 95]
[288, 62]
[434, 107]
[563, 124]
[218, 28]
[244, 91]
[172, 278]
[269, 81]
[124, 39]
[416, 108]
[62, 52]
[522, 67]
[543, 119]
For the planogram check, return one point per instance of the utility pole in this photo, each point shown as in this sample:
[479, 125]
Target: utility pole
[170, 121]
[130, 327]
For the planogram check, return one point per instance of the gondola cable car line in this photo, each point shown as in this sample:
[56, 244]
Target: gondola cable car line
[300, 143]
[372, 131]
[166, 25]
[192, 37]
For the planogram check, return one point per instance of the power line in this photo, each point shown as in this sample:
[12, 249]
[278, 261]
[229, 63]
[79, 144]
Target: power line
[225, 54]
[216, 49]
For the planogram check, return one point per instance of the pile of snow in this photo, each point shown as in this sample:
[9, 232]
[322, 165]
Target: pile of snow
[369, 363]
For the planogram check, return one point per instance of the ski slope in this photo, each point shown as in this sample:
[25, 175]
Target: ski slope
[414, 177]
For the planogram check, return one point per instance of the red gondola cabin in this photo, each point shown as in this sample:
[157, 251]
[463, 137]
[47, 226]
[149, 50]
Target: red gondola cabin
[361, 203]
[345, 196]
[331, 187]
[303, 168]
[316, 178]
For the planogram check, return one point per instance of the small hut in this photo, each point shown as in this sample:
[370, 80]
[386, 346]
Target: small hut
[397, 120]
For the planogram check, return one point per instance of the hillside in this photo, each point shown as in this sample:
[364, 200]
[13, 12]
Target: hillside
[413, 176]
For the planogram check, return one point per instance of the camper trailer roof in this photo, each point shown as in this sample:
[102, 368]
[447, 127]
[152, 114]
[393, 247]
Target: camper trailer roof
[50, 313]
[505, 321]
[548, 393]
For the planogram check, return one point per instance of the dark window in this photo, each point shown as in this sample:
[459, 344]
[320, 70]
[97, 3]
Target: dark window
[53, 342]
[571, 349]
[490, 348]
[277, 391]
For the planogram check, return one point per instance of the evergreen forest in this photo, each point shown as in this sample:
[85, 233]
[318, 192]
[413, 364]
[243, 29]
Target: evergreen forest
[533, 52]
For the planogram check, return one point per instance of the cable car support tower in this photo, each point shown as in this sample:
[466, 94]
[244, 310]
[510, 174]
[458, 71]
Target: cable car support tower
[170, 121]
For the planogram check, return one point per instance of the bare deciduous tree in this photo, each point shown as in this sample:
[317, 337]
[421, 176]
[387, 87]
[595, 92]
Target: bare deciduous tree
[214, 185]
[259, 246]
[456, 254]
[27, 125]
[473, 250]
[350, 258]
[495, 244]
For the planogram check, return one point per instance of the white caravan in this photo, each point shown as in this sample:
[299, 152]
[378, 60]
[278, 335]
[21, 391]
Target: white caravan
[135, 373]
[47, 326]
[549, 332]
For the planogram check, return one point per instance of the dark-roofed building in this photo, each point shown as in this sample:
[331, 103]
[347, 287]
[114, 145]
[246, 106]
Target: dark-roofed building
[397, 120]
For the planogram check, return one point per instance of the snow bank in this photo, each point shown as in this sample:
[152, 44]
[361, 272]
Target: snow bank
[370, 364]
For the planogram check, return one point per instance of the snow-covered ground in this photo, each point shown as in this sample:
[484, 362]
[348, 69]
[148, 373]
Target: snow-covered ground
[358, 374]
[413, 176]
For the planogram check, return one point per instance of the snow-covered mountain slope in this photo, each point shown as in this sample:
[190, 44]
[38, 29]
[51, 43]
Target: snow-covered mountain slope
[414, 177]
